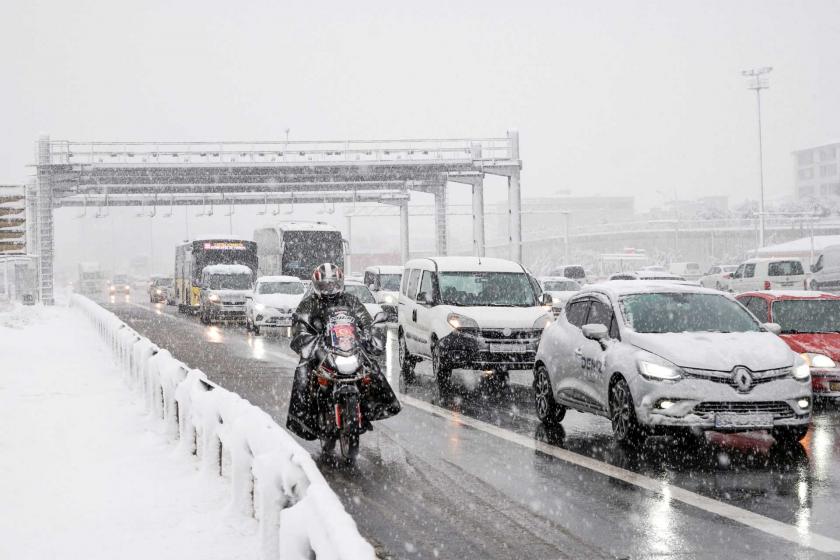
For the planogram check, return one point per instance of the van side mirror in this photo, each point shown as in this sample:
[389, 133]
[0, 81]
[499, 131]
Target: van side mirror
[425, 298]
[546, 299]
[774, 328]
[814, 268]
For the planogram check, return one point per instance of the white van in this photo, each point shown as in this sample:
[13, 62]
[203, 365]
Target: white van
[768, 274]
[688, 270]
[469, 313]
[826, 271]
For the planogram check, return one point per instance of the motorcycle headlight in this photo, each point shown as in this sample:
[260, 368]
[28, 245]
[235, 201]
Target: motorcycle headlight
[658, 371]
[347, 364]
[214, 298]
[801, 371]
[544, 321]
[458, 321]
[259, 307]
[818, 361]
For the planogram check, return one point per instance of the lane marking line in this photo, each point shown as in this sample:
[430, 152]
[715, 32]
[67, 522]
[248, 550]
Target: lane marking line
[710, 505]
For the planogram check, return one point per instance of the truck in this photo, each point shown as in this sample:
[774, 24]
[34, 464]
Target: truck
[92, 280]
[297, 248]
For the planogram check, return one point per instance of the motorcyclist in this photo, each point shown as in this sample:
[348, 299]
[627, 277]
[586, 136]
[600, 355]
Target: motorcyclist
[327, 298]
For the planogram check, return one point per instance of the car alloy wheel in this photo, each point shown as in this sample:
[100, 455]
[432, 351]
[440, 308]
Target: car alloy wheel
[548, 411]
[625, 426]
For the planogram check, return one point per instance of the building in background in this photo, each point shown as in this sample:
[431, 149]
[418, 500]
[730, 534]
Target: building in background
[815, 171]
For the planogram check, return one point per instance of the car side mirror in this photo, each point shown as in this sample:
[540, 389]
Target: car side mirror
[774, 328]
[595, 331]
[374, 288]
[546, 299]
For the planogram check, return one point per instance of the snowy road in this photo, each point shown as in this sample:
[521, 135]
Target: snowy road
[84, 472]
[428, 485]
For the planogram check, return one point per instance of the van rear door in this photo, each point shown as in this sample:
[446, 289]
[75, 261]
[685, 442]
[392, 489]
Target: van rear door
[786, 274]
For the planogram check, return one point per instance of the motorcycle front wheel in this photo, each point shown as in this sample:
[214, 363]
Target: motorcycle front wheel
[349, 445]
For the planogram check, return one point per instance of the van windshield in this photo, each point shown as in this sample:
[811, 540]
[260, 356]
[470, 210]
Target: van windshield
[486, 289]
[229, 281]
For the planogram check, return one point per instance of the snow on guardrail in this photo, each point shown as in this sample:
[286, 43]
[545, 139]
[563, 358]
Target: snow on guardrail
[273, 479]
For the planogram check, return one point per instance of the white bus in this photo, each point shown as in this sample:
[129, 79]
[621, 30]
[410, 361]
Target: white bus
[296, 248]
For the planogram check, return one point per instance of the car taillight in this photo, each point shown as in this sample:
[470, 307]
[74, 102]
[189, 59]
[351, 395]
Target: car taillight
[767, 284]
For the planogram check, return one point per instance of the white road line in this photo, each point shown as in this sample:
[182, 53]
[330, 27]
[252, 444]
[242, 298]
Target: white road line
[762, 523]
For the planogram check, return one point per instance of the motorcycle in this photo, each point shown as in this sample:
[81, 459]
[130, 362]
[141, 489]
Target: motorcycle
[345, 375]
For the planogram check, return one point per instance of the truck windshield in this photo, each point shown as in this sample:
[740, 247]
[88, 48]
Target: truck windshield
[229, 281]
[676, 312]
[807, 316]
[493, 289]
[390, 282]
[288, 288]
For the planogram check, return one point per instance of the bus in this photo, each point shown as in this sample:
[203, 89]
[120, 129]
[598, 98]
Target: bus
[297, 248]
[192, 257]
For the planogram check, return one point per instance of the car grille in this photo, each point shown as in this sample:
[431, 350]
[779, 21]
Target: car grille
[233, 302]
[513, 334]
[758, 377]
[779, 409]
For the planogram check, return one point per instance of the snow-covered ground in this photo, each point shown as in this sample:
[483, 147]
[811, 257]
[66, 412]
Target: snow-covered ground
[84, 472]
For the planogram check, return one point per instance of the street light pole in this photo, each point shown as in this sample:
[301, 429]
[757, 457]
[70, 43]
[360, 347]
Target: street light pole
[758, 82]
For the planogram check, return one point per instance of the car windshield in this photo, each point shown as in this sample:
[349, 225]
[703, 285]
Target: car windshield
[678, 312]
[362, 293]
[575, 272]
[493, 289]
[164, 282]
[287, 288]
[229, 281]
[390, 282]
[785, 268]
[807, 316]
[561, 286]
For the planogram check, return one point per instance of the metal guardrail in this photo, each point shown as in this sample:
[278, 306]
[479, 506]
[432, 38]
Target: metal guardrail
[280, 152]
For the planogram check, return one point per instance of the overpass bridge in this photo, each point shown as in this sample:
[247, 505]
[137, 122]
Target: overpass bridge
[108, 174]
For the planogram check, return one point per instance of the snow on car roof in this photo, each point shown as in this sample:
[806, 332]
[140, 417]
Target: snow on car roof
[468, 264]
[386, 269]
[791, 294]
[219, 237]
[294, 279]
[618, 288]
[227, 269]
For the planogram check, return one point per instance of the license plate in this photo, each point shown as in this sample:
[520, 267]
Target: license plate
[787, 284]
[834, 386]
[508, 348]
[729, 420]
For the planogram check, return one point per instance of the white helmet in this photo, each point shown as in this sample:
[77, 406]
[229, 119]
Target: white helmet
[328, 280]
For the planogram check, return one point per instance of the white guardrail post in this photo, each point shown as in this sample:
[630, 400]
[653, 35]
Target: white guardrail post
[272, 478]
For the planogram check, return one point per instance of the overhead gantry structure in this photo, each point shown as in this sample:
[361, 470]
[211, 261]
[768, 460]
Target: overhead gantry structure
[110, 174]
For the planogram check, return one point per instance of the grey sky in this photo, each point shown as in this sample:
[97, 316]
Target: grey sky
[609, 97]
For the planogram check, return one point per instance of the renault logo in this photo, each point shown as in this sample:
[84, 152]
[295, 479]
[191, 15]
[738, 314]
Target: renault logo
[742, 379]
[506, 331]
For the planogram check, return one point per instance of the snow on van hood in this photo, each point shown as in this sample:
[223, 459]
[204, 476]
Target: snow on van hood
[231, 294]
[717, 351]
[285, 301]
[501, 317]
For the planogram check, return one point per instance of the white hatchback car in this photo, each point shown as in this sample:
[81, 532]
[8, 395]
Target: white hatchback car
[469, 313]
[272, 302]
[669, 358]
[717, 276]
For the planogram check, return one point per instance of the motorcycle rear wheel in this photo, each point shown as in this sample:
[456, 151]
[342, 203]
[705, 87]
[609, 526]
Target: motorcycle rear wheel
[328, 444]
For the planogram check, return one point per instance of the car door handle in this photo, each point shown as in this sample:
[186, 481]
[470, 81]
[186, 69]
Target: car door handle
[414, 315]
[578, 352]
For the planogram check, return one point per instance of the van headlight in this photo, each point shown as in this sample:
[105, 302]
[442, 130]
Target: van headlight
[214, 298]
[658, 371]
[389, 299]
[460, 322]
[543, 321]
[801, 371]
[818, 361]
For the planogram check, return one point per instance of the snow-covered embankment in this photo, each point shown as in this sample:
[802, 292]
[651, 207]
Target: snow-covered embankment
[272, 478]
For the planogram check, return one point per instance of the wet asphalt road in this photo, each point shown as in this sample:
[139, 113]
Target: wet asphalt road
[427, 486]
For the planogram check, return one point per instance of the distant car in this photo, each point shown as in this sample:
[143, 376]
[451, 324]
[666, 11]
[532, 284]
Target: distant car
[647, 275]
[826, 271]
[688, 270]
[810, 323]
[361, 292]
[669, 358]
[162, 290]
[120, 284]
[272, 302]
[717, 276]
[573, 272]
[560, 290]
[384, 282]
[654, 268]
[768, 274]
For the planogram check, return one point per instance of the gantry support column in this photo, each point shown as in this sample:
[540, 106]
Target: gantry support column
[404, 247]
[440, 220]
[46, 228]
[515, 201]
[477, 184]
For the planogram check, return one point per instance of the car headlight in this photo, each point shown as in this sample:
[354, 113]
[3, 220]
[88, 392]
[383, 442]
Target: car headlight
[127, 287]
[259, 307]
[390, 299]
[158, 292]
[458, 321]
[659, 372]
[214, 298]
[818, 361]
[801, 371]
[543, 321]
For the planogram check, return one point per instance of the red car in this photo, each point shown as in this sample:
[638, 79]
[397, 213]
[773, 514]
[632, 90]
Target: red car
[810, 324]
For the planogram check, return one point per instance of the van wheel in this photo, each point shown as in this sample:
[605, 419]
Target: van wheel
[407, 361]
[443, 373]
[626, 428]
[204, 317]
[548, 411]
[815, 286]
